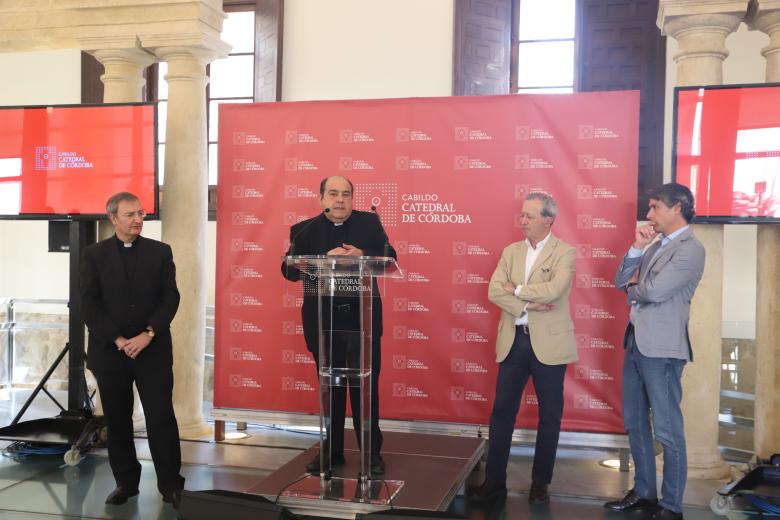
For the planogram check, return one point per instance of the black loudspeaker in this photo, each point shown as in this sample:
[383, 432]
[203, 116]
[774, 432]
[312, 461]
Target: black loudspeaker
[59, 235]
[407, 514]
[229, 505]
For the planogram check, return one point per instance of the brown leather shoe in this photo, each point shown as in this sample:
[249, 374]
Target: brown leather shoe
[538, 494]
[487, 492]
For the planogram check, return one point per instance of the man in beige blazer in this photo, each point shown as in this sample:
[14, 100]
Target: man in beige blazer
[531, 285]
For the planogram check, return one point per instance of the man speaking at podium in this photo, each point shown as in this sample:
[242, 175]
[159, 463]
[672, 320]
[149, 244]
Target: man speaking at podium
[339, 230]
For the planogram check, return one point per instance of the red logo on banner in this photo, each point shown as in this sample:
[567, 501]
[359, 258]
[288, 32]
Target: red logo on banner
[239, 137]
[522, 133]
[238, 192]
[584, 221]
[291, 164]
[459, 248]
[399, 361]
[584, 191]
[402, 162]
[288, 300]
[582, 311]
[457, 393]
[583, 250]
[288, 357]
[457, 365]
[461, 162]
[345, 136]
[583, 281]
[236, 325]
[459, 306]
[461, 133]
[585, 131]
[583, 340]
[580, 372]
[235, 354]
[234, 380]
[345, 163]
[290, 191]
[459, 276]
[399, 332]
[288, 328]
[399, 304]
[235, 299]
[288, 384]
[581, 401]
[399, 390]
[236, 245]
[522, 162]
[458, 335]
[585, 162]
[238, 165]
[401, 135]
[521, 191]
[237, 218]
[401, 247]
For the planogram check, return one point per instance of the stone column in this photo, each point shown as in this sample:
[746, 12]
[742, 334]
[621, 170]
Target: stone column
[766, 430]
[123, 78]
[702, 41]
[701, 379]
[766, 433]
[767, 20]
[184, 218]
[700, 28]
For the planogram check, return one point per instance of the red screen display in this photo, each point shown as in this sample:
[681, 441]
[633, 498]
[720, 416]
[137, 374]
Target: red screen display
[67, 161]
[728, 151]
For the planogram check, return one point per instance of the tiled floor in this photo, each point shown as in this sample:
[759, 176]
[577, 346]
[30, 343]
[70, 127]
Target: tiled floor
[41, 488]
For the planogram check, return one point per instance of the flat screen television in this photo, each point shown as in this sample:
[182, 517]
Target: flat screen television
[64, 162]
[727, 151]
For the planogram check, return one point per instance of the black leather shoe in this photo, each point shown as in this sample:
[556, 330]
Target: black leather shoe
[314, 465]
[377, 465]
[666, 514]
[631, 502]
[120, 495]
[538, 494]
[487, 492]
[173, 497]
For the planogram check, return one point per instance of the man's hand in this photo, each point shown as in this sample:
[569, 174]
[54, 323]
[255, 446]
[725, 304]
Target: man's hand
[345, 250]
[135, 345]
[509, 287]
[121, 342]
[539, 307]
[644, 235]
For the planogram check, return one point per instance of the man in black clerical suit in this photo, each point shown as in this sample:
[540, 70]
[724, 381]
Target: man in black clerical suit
[339, 230]
[129, 298]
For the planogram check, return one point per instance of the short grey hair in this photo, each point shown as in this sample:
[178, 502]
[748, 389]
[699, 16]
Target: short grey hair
[112, 204]
[549, 206]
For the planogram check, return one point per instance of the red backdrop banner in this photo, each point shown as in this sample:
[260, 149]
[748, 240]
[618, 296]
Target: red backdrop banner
[448, 177]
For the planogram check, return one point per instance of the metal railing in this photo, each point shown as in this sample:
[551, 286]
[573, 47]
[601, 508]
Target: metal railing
[10, 325]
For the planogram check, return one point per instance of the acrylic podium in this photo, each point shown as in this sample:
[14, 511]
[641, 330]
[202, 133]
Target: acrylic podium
[339, 283]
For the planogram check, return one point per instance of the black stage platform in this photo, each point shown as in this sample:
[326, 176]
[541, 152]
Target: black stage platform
[423, 472]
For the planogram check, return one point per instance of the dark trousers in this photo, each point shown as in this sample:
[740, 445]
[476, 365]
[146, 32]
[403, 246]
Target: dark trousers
[513, 375]
[338, 402]
[155, 387]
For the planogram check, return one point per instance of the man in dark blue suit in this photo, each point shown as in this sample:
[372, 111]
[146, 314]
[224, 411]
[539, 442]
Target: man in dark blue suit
[339, 230]
[129, 298]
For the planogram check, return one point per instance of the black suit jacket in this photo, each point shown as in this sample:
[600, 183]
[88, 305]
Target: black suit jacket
[114, 306]
[317, 236]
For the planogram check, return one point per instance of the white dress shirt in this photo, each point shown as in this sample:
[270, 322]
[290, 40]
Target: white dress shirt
[530, 258]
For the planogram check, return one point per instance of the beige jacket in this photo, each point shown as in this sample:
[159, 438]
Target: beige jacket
[552, 332]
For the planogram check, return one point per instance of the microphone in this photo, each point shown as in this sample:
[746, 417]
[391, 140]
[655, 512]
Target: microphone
[386, 246]
[291, 251]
